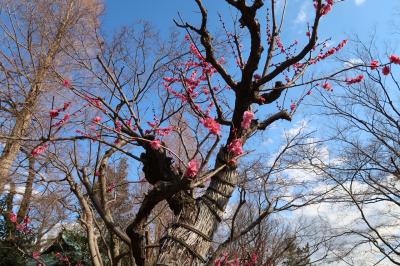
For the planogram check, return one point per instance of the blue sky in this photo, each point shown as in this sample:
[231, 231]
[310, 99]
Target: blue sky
[348, 19]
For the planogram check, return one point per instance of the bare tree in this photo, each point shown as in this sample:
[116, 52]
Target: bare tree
[37, 35]
[363, 166]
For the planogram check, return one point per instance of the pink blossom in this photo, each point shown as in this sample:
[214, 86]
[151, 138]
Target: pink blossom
[54, 113]
[212, 125]
[386, 70]
[63, 120]
[192, 169]
[111, 187]
[247, 118]
[254, 258]
[330, 52]
[374, 64]
[327, 86]
[261, 100]
[155, 144]
[325, 8]
[308, 34]
[236, 147]
[61, 257]
[309, 92]
[36, 255]
[293, 106]
[357, 79]
[280, 44]
[23, 228]
[39, 150]
[13, 217]
[27, 220]
[129, 122]
[169, 79]
[164, 131]
[218, 262]
[95, 102]
[394, 59]
[67, 83]
[97, 119]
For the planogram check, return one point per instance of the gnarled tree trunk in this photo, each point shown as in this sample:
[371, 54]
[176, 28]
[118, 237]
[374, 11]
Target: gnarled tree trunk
[188, 242]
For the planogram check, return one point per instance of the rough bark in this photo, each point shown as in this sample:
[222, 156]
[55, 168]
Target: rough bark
[12, 146]
[188, 242]
[115, 250]
[26, 199]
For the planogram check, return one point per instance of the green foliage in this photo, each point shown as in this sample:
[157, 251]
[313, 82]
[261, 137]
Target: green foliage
[69, 248]
[297, 256]
[11, 241]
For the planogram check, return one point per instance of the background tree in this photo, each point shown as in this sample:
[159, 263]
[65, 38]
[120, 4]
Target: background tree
[362, 166]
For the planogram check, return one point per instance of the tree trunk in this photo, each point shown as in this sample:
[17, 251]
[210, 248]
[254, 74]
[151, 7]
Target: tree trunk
[92, 242]
[23, 120]
[188, 242]
[12, 146]
[115, 249]
[26, 200]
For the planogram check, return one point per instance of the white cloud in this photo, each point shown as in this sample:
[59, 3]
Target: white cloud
[359, 2]
[304, 13]
[296, 129]
[353, 62]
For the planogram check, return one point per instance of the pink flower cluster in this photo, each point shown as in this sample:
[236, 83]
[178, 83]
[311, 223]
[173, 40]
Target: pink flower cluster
[248, 116]
[158, 130]
[236, 147]
[325, 8]
[62, 258]
[192, 76]
[327, 86]
[212, 125]
[67, 83]
[63, 120]
[56, 112]
[155, 144]
[39, 150]
[374, 64]
[332, 51]
[96, 120]
[394, 59]
[293, 106]
[21, 227]
[386, 70]
[357, 79]
[13, 217]
[321, 56]
[95, 102]
[225, 261]
[280, 44]
[36, 255]
[192, 169]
